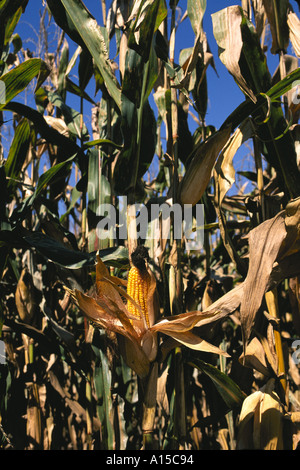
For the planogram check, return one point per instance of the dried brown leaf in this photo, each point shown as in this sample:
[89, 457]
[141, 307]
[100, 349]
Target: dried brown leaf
[105, 316]
[271, 259]
[224, 176]
[265, 242]
[294, 27]
[294, 297]
[193, 341]
[259, 15]
[224, 172]
[227, 32]
[182, 322]
[254, 357]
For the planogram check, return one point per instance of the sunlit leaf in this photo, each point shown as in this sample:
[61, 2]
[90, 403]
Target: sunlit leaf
[90, 33]
[227, 32]
[196, 10]
[17, 79]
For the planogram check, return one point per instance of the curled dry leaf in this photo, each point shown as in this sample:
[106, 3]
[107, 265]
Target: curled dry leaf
[259, 16]
[270, 244]
[212, 292]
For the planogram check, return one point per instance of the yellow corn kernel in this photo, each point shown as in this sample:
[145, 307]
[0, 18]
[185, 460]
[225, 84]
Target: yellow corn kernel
[137, 287]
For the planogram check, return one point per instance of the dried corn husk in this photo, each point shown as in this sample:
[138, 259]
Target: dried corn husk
[24, 297]
[198, 174]
[261, 421]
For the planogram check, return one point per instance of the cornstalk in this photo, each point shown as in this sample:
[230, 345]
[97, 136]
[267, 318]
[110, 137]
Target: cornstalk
[180, 409]
[149, 407]
[174, 126]
[260, 177]
[89, 412]
[34, 424]
[272, 304]
[88, 388]
[83, 200]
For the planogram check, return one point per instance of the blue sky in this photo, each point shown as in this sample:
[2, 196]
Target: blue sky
[223, 93]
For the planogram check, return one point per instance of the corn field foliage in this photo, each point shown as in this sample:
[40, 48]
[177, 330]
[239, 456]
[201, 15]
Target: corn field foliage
[215, 366]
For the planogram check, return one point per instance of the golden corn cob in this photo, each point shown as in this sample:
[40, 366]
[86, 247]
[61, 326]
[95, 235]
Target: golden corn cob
[137, 287]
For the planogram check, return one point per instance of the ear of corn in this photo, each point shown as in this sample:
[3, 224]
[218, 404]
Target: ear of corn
[138, 287]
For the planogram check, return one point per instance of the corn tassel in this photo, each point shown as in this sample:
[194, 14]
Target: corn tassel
[137, 287]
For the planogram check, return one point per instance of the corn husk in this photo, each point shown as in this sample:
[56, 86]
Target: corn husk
[198, 174]
[25, 298]
[261, 421]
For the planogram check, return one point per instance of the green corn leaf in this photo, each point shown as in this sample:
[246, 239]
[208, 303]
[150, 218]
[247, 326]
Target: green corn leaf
[91, 36]
[230, 392]
[71, 259]
[95, 142]
[16, 80]
[85, 68]
[246, 108]
[71, 116]
[45, 178]
[103, 384]
[63, 65]
[10, 12]
[11, 24]
[17, 152]
[285, 85]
